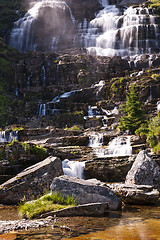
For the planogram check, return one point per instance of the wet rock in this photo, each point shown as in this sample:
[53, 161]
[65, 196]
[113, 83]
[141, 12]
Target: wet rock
[135, 194]
[31, 182]
[86, 191]
[90, 209]
[7, 226]
[144, 171]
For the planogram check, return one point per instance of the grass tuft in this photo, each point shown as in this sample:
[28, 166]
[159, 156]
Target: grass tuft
[49, 202]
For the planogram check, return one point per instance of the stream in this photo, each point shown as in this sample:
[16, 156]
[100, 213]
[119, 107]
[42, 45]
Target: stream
[132, 223]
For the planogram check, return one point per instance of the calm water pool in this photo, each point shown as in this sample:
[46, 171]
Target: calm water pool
[133, 223]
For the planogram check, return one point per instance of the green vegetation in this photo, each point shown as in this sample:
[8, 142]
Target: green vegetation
[73, 128]
[151, 132]
[39, 151]
[118, 87]
[153, 4]
[156, 77]
[50, 202]
[132, 114]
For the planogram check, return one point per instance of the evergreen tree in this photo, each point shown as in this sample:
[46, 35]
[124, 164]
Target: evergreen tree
[132, 114]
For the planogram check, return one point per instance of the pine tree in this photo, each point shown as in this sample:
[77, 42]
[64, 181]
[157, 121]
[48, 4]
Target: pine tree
[132, 114]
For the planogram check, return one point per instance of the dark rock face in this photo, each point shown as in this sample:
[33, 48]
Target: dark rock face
[32, 182]
[144, 171]
[112, 169]
[86, 191]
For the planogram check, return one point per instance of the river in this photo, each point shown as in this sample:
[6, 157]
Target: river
[132, 223]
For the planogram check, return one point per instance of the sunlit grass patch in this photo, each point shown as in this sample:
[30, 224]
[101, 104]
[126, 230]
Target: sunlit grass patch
[49, 202]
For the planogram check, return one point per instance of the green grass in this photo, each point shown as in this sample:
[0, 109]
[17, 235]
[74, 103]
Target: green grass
[153, 4]
[50, 202]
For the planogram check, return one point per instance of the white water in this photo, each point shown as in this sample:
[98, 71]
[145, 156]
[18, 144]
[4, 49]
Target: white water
[45, 107]
[95, 140]
[158, 106]
[119, 146]
[28, 33]
[131, 33]
[73, 168]
[8, 136]
[43, 76]
[128, 33]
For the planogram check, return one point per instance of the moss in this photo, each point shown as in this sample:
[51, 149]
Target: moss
[155, 4]
[118, 87]
[39, 151]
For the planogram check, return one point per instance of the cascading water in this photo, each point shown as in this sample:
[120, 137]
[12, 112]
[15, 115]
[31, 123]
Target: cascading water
[129, 32]
[73, 168]
[43, 26]
[45, 107]
[158, 106]
[50, 25]
[95, 140]
[6, 136]
[119, 146]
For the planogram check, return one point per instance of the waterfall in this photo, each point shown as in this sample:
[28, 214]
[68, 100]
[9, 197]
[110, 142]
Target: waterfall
[42, 109]
[73, 168]
[46, 109]
[95, 140]
[119, 146]
[51, 25]
[29, 80]
[158, 106]
[45, 24]
[130, 32]
[6, 136]
[43, 76]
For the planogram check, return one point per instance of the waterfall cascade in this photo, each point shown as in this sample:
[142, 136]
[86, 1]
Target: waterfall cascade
[73, 168]
[119, 146]
[8, 136]
[158, 106]
[50, 25]
[44, 108]
[95, 140]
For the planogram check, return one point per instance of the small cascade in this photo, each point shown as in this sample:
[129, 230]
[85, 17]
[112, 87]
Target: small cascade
[16, 92]
[150, 93]
[42, 109]
[95, 140]
[73, 168]
[158, 106]
[43, 76]
[99, 87]
[6, 136]
[119, 146]
[93, 111]
[29, 80]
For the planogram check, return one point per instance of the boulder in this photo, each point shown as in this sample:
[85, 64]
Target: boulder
[144, 171]
[31, 182]
[90, 209]
[86, 191]
[135, 194]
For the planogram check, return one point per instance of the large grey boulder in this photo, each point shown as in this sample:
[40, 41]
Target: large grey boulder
[31, 182]
[86, 191]
[144, 171]
[136, 194]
